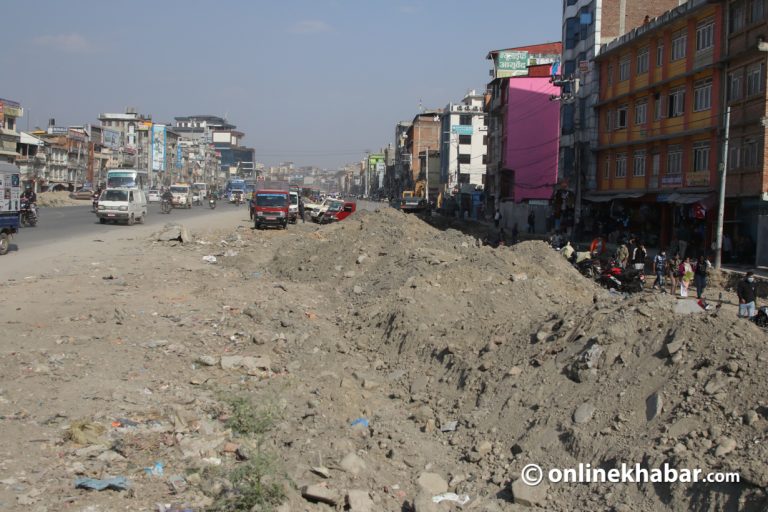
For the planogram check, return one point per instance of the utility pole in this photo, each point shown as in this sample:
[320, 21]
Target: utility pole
[568, 96]
[721, 203]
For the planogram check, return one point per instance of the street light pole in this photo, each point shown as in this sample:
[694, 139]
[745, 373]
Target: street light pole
[721, 203]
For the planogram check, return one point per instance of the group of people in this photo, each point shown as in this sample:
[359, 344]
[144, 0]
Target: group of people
[681, 272]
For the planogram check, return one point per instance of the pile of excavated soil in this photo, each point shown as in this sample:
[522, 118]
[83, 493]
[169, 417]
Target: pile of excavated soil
[56, 199]
[397, 361]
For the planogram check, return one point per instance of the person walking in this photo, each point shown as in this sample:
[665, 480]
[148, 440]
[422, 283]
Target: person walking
[531, 222]
[638, 256]
[301, 209]
[700, 276]
[686, 276]
[496, 218]
[660, 268]
[673, 272]
[747, 292]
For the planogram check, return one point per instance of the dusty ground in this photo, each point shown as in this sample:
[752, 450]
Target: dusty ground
[361, 344]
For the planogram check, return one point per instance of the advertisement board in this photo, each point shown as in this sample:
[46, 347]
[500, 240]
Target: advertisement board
[178, 156]
[111, 138]
[461, 129]
[697, 179]
[511, 63]
[158, 147]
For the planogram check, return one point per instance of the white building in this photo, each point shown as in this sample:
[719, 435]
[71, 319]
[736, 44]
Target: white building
[463, 144]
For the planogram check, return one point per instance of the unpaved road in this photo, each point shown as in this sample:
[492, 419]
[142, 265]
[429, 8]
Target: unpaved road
[378, 362]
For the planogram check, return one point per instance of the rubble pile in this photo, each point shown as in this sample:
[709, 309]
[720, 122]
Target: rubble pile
[371, 365]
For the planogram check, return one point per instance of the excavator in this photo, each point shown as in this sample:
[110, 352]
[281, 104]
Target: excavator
[413, 201]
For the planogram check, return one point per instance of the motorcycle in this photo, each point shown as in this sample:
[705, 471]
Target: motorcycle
[622, 280]
[591, 268]
[95, 203]
[212, 203]
[761, 318]
[27, 213]
[165, 206]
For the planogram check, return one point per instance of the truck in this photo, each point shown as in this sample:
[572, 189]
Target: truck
[270, 205]
[10, 203]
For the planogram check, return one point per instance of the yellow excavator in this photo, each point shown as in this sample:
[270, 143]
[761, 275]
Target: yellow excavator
[413, 200]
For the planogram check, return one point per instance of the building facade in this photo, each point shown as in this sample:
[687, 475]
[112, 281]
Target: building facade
[587, 25]
[10, 112]
[422, 139]
[745, 93]
[659, 118]
[464, 142]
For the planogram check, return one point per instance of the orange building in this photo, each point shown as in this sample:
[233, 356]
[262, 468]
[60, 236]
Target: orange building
[659, 112]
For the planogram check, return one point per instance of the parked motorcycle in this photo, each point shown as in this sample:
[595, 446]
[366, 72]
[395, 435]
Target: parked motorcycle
[212, 203]
[27, 213]
[591, 268]
[622, 280]
[165, 206]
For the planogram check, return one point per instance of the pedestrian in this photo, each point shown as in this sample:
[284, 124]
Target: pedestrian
[638, 256]
[301, 209]
[622, 255]
[686, 276]
[496, 218]
[700, 275]
[660, 268]
[673, 272]
[747, 292]
[531, 222]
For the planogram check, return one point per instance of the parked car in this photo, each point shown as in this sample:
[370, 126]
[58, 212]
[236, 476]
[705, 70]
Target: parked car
[153, 196]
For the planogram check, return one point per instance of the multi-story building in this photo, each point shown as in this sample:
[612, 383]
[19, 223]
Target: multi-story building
[464, 144]
[523, 125]
[747, 178]
[403, 177]
[134, 130]
[31, 159]
[659, 118]
[224, 136]
[422, 145]
[10, 111]
[587, 25]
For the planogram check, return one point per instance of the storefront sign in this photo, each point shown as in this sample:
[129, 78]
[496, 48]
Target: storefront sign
[698, 179]
[675, 179]
[461, 129]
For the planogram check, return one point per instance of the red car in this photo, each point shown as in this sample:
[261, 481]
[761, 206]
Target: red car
[337, 210]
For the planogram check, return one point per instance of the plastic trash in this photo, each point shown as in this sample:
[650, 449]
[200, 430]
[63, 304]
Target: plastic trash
[124, 422]
[118, 483]
[359, 421]
[451, 496]
[156, 470]
[210, 258]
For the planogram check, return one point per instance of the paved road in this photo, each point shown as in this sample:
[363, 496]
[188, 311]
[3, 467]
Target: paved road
[69, 221]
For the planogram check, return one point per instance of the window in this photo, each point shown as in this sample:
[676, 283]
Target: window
[485, 140]
[676, 102]
[751, 153]
[621, 117]
[674, 159]
[465, 139]
[624, 69]
[621, 165]
[755, 79]
[485, 159]
[609, 73]
[657, 110]
[641, 112]
[756, 10]
[465, 120]
[734, 85]
[700, 156]
[607, 168]
[464, 158]
[737, 16]
[660, 53]
[702, 95]
[642, 61]
[638, 169]
[571, 32]
[705, 35]
[678, 46]
[734, 155]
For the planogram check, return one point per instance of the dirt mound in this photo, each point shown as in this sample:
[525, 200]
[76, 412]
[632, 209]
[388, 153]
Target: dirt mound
[56, 199]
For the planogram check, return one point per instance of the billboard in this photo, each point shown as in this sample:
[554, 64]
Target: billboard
[461, 129]
[158, 147]
[509, 63]
[111, 138]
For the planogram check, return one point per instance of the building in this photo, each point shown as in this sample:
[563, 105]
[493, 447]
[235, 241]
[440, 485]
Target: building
[10, 112]
[403, 177]
[235, 158]
[464, 144]
[747, 178]
[587, 25]
[659, 112]
[133, 149]
[422, 139]
[523, 127]
[31, 160]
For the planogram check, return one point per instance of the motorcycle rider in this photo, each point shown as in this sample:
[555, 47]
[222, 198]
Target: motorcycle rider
[167, 196]
[30, 197]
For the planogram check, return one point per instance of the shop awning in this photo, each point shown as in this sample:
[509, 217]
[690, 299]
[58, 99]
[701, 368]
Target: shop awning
[677, 198]
[597, 197]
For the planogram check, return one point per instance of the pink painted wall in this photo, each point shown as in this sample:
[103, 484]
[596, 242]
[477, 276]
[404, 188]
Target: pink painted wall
[531, 137]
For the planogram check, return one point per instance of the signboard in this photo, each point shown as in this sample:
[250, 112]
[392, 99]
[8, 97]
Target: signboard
[77, 135]
[674, 179]
[111, 138]
[10, 108]
[158, 147]
[698, 179]
[178, 156]
[511, 63]
[461, 129]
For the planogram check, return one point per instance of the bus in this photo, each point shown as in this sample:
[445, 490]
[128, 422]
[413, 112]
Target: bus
[234, 185]
[128, 178]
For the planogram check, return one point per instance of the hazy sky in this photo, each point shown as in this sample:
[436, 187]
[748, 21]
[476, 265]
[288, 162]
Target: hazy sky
[316, 82]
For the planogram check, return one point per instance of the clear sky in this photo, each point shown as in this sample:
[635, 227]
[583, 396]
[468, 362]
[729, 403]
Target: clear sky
[316, 82]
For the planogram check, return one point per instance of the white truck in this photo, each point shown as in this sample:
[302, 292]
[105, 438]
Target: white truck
[10, 202]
